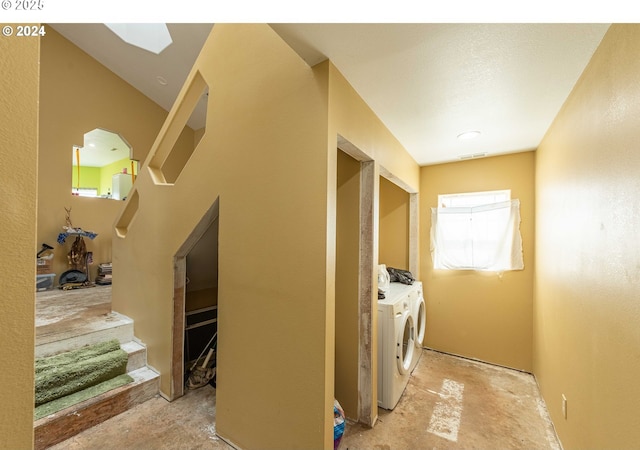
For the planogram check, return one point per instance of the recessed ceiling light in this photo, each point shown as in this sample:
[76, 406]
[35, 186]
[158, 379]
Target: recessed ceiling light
[161, 80]
[469, 134]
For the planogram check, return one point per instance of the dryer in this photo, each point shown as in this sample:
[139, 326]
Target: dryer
[419, 312]
[396, 346]
[415, 298]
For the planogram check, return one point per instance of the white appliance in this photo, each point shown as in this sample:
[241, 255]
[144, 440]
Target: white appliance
[419, 313]
[396, 347]
[121, 184]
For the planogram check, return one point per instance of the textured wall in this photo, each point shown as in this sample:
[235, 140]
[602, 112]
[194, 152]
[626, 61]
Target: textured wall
[394, 226]
[264, 156]
[480, 314]
[77, 95]
[355, 123]
[18, 170]
[269, 156]
[347, 277]
[587, 290]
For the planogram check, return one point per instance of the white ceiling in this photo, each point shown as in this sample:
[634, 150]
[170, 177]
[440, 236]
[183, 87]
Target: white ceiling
[141, 68]
[426, 82]
[101, 148]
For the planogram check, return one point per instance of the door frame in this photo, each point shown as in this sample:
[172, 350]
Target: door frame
[370, 172]
[179, 299]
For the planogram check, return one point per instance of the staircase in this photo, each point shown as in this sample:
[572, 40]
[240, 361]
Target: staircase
[68, 320]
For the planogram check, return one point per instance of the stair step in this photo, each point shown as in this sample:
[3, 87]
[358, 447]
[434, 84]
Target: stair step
[137, 355]
[99, 329]
[68, 422]
[69, 320]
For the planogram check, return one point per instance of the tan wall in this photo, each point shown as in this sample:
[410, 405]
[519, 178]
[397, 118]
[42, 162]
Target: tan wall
[347, 277]
[586, 333]
[18, 170]
[77, 95]
[394, 226]
[351, 120]
[201, 298]
[270, 157]
[264, 155]
[476, 314]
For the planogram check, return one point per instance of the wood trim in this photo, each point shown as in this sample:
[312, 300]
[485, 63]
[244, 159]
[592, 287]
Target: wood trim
[414, 234]
[177, 330]
[368, 292]
[64, 424]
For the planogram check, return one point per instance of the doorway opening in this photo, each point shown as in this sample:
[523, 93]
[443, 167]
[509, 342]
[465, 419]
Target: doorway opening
[398, 224]
[356, 256]
[195, 303]
[358, 241]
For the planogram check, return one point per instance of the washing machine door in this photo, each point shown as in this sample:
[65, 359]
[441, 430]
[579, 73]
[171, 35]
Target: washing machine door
[405, 343]
[421, 321]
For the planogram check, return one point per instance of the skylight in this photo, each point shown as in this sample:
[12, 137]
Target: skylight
[153, 37]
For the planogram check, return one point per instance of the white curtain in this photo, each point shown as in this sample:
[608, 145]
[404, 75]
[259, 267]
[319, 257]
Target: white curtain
[483, 237]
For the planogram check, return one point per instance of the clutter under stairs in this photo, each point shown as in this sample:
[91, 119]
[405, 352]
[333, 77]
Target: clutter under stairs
[72, 320]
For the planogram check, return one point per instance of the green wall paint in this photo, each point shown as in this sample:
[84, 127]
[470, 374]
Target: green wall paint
[100, 177]
[89, 177]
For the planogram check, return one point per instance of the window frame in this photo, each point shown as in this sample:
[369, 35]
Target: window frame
[460, 245]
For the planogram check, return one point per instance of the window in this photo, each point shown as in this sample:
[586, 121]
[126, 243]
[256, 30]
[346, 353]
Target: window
[477, 231]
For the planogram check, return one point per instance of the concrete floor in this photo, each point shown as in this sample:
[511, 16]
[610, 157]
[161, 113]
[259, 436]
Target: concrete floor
[60, 314]
[480, 407]
[449, 403]
[187, 423]
[456, 403]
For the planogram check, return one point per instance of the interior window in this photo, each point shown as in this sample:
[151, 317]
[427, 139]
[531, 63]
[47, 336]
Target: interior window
[102, 166]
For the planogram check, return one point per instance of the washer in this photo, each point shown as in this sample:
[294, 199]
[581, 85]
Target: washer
[419, 312]
[396, 346]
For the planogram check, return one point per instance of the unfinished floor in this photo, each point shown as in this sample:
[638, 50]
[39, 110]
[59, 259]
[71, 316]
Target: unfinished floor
[449, 402]
[456, 403]
[64, 314]
[490, 407]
